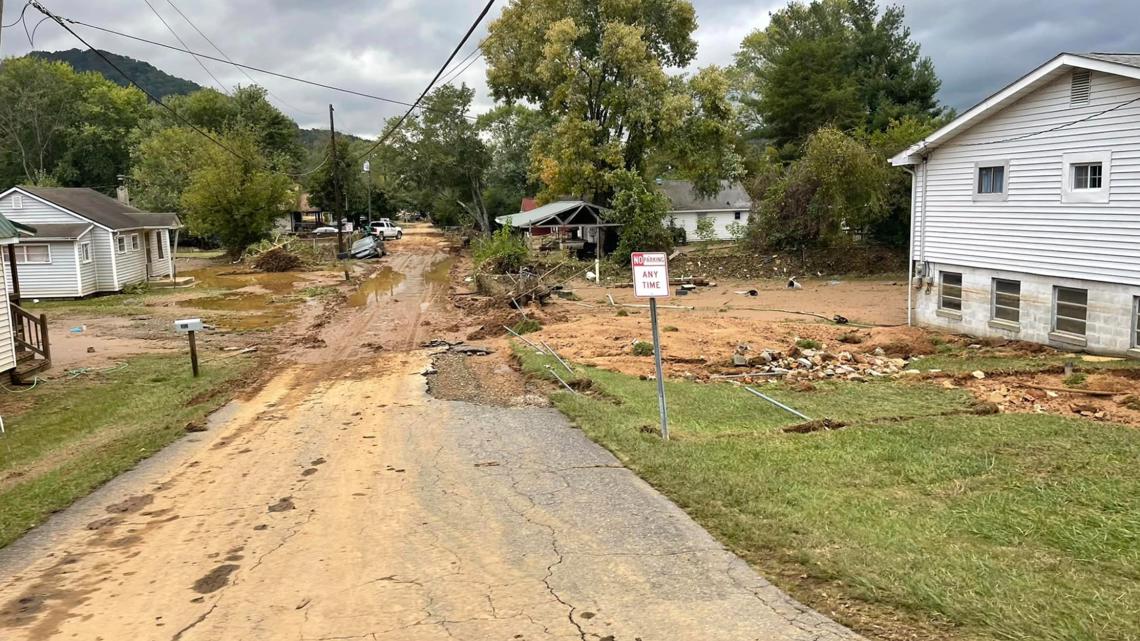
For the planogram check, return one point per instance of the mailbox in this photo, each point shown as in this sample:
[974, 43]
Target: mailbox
[188, 325]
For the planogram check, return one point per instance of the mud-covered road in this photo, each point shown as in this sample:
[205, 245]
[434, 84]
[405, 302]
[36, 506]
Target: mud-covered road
[342, 502]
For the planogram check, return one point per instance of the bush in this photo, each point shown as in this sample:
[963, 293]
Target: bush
[640, 210]
[526, 326]
[706, 229]
[501, 252]
[641, 348]
[807, 343]
[737, 231]
[1075, 380]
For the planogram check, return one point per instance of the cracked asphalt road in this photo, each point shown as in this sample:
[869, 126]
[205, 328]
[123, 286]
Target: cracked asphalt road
[342, 502]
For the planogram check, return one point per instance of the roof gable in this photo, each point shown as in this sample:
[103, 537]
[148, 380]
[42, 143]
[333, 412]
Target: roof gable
[1126, 65]
[731, 196]
[98, 208]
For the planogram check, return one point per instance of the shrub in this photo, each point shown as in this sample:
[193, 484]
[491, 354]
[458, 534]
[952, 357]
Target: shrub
[808, 343]
[706, 229]
[737, 231]
[640, 210]
[1076, 379]
[526, 326]
[501, 252]
[641, 348]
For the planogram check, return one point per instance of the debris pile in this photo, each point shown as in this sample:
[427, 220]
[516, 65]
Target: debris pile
[277, 260]
[817, 364]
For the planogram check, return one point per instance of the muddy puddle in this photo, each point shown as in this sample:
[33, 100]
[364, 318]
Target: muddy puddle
[233, 277]
[385, 282]
[440, 273]
[243, 311]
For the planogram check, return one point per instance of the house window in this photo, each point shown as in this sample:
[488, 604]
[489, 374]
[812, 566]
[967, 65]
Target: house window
[1136, 322]
[121, 244]
[1070, 310]
[1087, 175]
[950, 294]
[33, 254]
[991, 180]
[1007, 300]
[85, 252]
[736, 215]
[17, 201]
[158, 244]
[135, 242]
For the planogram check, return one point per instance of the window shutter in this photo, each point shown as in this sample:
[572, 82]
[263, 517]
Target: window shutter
[1081, 87]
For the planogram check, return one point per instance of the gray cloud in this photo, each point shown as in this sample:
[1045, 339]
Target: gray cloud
[392, 48]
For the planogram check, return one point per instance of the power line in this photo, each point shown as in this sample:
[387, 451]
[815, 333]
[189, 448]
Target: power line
[39, 7]
[1052, 129]
[391, 130]
[228, 59]
[179, 39]
[244, 66]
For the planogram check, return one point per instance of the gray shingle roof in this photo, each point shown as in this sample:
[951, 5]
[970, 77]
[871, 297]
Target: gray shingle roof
[100, 208]
[61, 231]
[1129, 59]
[680, 194]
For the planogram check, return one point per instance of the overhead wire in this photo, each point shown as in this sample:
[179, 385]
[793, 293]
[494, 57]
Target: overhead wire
[1052, 129]
[230, 60]
[183, 42]
[239, 65]
[17, 20]
[392, 129]
[60, 21]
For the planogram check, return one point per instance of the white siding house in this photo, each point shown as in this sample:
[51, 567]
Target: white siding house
[1026, 210]
[8, 236]
[728, 208]
[85, 242]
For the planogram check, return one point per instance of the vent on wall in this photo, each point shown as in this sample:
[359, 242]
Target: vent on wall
[1081, 87]
[17, 201]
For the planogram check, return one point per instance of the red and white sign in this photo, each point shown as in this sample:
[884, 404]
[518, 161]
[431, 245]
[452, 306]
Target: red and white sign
[650, 274]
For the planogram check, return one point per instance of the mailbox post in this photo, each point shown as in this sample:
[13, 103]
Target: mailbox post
[189, 326]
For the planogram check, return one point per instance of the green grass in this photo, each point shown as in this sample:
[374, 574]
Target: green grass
[526, 326]
[1007, 527]
[808, 343]
[133, 304]
[966, 361]
[67, 437]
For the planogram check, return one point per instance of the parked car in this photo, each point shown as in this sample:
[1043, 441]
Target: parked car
[321, 231]
[385, 229]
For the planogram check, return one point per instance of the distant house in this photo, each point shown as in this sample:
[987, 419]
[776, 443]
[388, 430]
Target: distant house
[1026, 210]
[86, 242]
[572, 224]
[731, 205]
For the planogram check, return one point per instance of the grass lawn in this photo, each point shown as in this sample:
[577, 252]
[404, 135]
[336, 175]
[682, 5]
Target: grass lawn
[133, 304]
[67, 437]
[960, 361]
[940, 525]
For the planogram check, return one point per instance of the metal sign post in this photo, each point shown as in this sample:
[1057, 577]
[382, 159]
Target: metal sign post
[189, 326]
[651, 280]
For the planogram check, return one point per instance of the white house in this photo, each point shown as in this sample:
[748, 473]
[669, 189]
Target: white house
[729, 207]
[24, 346]
[86, 242]
[1026, 210]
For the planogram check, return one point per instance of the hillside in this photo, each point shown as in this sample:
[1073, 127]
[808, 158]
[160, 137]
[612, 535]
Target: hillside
[151, 78]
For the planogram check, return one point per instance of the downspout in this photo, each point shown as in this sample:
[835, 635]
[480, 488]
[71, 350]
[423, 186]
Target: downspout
[910, 248]
[922, 227]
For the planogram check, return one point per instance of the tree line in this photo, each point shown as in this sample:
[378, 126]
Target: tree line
[594, 100]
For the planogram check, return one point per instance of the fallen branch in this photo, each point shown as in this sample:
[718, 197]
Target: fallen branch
[1087, 392]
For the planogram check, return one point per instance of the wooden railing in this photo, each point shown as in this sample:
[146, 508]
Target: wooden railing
[31, 332]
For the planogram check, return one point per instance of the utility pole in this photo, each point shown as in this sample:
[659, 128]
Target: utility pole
[336, 186]
[368, 172]
[1, 21]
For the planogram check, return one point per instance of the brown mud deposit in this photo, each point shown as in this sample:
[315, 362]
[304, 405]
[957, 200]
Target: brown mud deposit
[1025, 394]
[489, 380]
[216, 579]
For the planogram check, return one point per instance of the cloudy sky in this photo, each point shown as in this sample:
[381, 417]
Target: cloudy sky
[392, 48]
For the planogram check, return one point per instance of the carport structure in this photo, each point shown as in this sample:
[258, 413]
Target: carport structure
[569, 221]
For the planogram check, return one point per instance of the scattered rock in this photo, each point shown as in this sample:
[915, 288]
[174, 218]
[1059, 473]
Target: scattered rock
[283, 505]
[978, 374]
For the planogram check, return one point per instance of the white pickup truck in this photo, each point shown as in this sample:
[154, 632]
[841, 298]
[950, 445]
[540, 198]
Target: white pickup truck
[386, 230]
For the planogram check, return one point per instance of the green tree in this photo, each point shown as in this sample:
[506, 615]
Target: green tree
[510, 130]
[277, 136]
[640, 209]
[839, 184]
[235, 199]
[162, 163]
[840, 63]
[60, 127]
[596, 68]
[336, 184]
